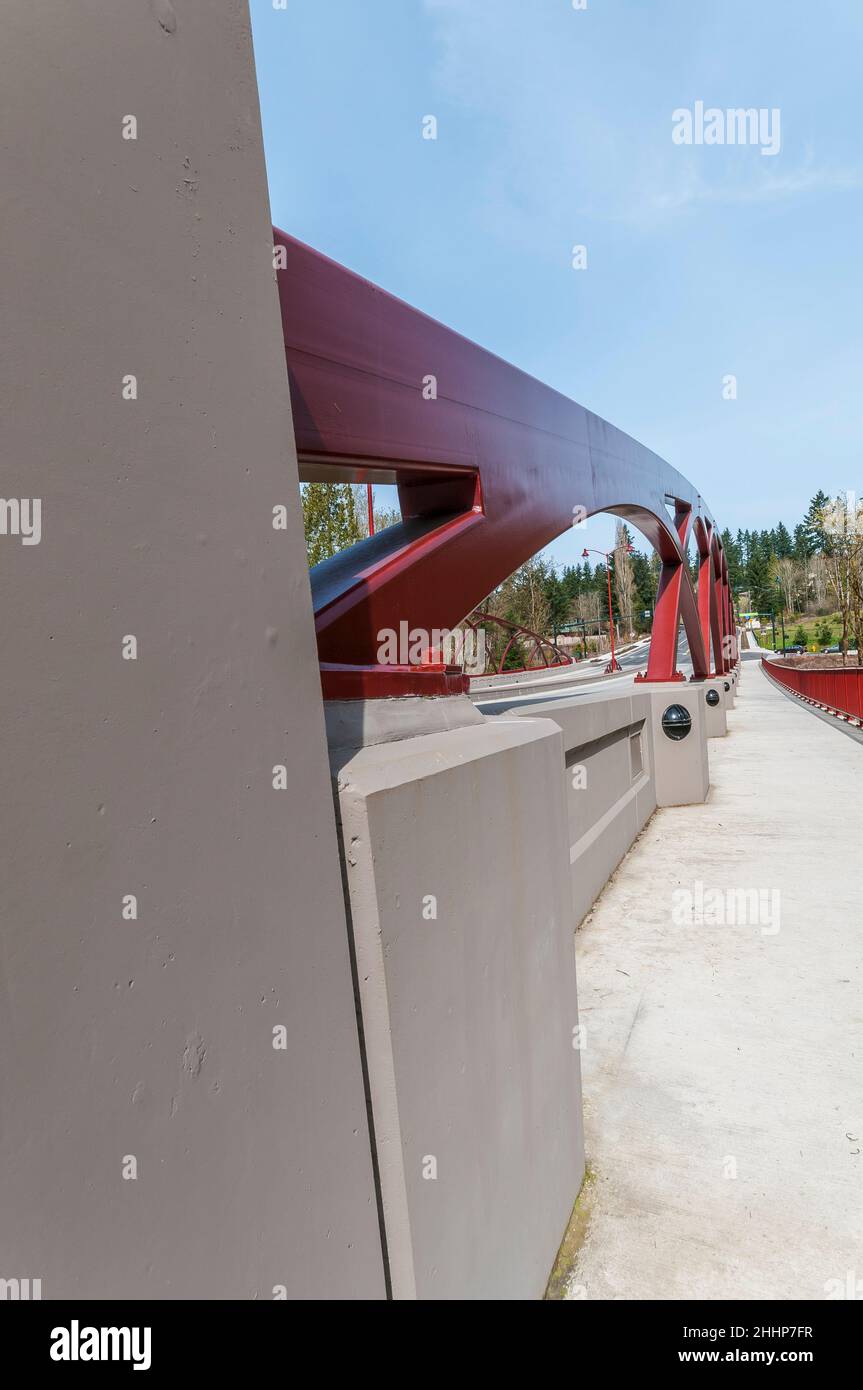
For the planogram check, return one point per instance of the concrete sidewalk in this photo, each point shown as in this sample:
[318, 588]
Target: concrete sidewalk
[723, 1066]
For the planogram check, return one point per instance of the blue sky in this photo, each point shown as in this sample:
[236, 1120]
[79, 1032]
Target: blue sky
[554, 129]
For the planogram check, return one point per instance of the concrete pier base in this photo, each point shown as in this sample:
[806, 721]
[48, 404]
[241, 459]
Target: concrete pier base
[680, 766]
[715, 720]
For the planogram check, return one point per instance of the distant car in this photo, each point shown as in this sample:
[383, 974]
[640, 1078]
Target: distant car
[830, 651]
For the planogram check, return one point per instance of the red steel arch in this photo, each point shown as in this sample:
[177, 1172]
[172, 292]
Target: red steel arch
[491, 465]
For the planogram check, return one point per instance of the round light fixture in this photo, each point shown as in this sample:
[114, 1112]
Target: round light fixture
[676, 722]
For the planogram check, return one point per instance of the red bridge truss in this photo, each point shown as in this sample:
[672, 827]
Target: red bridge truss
[491, 465]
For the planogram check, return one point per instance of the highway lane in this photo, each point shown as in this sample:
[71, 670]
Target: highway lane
[563, 687]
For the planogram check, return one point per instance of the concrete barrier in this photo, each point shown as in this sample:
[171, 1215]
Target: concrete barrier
[619, 766]
[472, 847]
[456, 872]
[607, 777]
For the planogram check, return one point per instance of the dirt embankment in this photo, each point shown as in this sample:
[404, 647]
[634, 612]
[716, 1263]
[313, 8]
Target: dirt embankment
[815, 661]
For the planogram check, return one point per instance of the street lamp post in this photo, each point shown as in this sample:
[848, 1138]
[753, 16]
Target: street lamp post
[614, 664]
[771, 616]
[781, 614]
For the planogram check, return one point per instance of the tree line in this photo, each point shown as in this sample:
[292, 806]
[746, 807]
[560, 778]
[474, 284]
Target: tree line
[814, 570]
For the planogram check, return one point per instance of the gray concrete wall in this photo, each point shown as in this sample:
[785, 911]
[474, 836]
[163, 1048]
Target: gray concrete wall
[153, 1038]
[607, 779]
[484, 689]
[456, 862]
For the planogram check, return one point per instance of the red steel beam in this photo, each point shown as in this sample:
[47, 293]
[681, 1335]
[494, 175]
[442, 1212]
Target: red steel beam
[491, 466]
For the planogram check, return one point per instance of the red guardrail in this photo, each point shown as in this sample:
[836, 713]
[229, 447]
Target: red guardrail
[838, 691]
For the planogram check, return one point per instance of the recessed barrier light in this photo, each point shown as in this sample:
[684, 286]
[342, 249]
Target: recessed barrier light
[712, 697]
[676, 722]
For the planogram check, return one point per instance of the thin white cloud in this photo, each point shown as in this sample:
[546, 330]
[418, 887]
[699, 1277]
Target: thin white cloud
[771, 188]
[565, 151]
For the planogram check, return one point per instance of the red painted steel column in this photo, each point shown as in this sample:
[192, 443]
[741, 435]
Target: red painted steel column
[675, 601]
[712, 608]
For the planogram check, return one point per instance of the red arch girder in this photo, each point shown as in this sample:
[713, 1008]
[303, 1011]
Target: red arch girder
[491, 466]
[713, 610]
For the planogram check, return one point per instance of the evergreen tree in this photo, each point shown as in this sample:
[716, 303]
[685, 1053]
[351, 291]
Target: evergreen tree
[645, 585]
[734, 558]
[571, 582]
[558, 602]
[813, 523]
[783, 544]
[802, 544]
[758, 578]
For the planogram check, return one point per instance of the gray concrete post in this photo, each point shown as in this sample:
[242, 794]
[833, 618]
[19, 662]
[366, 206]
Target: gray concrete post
[730, 680]
[716, 723]
[680, 765]
[181, 1092]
